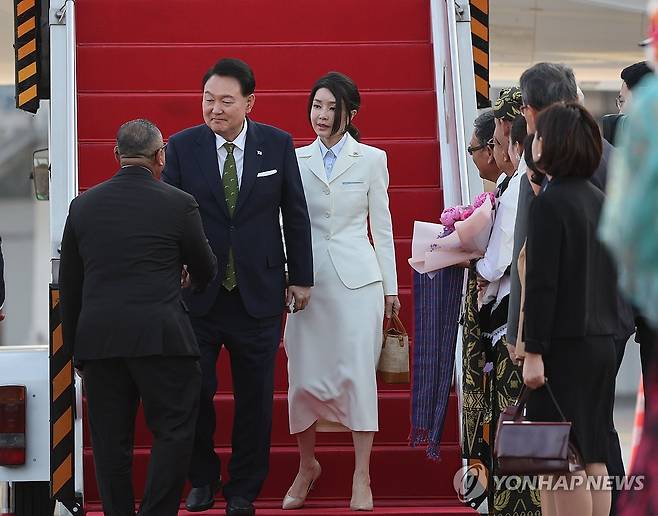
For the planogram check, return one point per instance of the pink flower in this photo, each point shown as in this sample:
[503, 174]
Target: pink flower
[450, 216]
[467, 212]
[480, 199]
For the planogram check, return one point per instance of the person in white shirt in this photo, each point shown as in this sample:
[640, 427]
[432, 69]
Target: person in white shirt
[333, 346]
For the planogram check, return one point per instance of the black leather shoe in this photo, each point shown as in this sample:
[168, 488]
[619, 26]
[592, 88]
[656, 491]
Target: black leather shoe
[202, 498]
[238, 506]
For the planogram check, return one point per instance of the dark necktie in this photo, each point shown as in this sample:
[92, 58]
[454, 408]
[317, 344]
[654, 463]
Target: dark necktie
[231, 190]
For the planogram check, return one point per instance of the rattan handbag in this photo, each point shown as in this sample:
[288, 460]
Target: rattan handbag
[393, 364]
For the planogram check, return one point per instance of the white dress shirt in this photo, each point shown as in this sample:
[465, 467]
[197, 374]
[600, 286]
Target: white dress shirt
[329, 156]
[498, 255]
[238, 152]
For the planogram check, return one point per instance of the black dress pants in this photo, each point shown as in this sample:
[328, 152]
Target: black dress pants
[169, 390]
[252, 345]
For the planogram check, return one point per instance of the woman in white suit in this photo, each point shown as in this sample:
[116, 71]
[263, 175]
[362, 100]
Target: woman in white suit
[334, 344]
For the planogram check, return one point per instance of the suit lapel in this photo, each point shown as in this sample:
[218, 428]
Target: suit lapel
[207, 159]
[312, 156]
[349, 155]
[251, 165]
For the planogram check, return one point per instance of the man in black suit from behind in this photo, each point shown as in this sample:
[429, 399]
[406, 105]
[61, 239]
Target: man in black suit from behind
[243, 174]
[124, 246]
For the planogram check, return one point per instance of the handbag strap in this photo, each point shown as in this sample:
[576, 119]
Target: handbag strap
[396, 323]
[523, 399]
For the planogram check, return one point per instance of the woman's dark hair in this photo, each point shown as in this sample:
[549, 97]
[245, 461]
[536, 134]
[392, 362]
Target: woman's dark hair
[536, 177]
[519, 130]
[236, 68]
[571, 141]
[347, 99]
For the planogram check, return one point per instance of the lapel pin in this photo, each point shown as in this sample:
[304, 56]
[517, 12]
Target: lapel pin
[260, 153]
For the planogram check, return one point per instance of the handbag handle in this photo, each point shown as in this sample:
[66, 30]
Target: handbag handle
[523, 399]
[396, 323]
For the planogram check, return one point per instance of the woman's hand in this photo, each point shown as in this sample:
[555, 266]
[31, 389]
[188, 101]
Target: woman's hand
[533, 370]
[391, 306]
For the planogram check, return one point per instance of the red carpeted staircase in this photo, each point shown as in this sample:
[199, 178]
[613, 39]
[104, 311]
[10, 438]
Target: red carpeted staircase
[146, 59]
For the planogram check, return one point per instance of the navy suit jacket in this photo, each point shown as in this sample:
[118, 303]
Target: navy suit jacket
[254, 231]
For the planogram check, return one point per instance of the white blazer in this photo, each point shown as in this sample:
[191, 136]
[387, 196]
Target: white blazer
[340, 208]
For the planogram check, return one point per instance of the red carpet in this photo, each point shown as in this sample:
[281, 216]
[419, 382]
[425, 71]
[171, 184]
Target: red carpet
[148, 63]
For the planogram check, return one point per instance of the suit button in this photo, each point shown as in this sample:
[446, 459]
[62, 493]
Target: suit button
[327, 191]
[327, 236]
[232, 228]
[327, 214]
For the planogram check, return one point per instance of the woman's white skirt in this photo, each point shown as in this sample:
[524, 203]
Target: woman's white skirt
[333, 347]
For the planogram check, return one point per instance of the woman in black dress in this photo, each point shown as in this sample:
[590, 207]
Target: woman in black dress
[570, 307]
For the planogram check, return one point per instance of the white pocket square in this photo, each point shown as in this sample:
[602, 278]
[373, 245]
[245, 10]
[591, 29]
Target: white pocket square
[267, 173]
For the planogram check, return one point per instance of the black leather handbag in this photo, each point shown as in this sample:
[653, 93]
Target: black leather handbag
[534, 447]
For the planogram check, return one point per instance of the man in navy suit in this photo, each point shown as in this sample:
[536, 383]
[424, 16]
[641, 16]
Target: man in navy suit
[244, 175]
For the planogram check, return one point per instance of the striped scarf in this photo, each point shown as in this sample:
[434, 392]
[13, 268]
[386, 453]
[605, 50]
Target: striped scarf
[437, 304]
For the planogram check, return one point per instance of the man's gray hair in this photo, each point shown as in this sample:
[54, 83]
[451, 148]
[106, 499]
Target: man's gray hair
[547, 83]
[138, 139]
[485, 125]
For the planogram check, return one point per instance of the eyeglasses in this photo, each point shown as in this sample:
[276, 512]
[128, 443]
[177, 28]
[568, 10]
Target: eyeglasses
[620, 101]
[472, 150]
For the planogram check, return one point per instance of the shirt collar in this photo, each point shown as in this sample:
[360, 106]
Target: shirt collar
[239, 142]
[335, 149]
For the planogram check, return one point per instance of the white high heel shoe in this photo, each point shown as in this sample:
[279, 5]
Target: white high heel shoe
[366, 504]
[293, 502]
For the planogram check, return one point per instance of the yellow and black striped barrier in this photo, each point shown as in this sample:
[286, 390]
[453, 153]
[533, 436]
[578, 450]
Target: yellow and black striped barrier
[62, 408]
[27, 47]
[480, 36]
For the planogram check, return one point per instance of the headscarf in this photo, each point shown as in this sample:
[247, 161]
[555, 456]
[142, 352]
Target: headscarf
[508, 105]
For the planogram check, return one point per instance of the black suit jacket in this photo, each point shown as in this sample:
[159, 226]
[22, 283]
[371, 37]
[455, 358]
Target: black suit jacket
[570, 278]
[124, 244]
[254, 231]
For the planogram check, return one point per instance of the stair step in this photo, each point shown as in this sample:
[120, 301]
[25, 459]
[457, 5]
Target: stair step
[390, 471]
[394, 411]
[411, 163]
[414, 113]
[368, 64]
[105, 21]
[341, 506]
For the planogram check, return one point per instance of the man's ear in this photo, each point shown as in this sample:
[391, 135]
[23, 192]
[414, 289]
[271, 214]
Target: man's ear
[116, 154]
[490, 157]
[251, 100]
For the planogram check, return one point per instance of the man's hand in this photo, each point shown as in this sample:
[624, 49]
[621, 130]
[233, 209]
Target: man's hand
[185, 280]
[533, 370]
[299, 295]
[391, 306]
[2, 315]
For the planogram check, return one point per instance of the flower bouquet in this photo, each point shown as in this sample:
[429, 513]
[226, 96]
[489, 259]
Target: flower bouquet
[462, 235]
